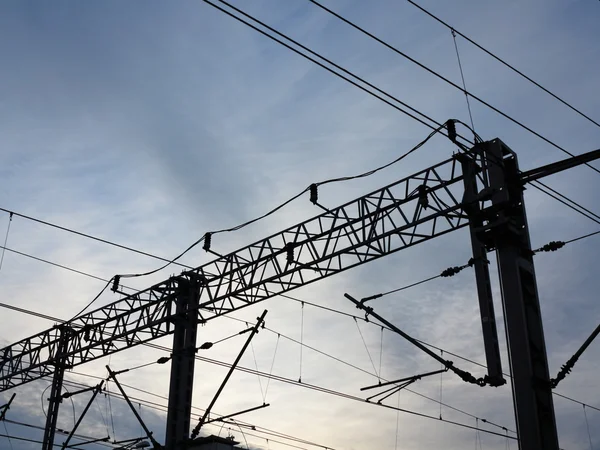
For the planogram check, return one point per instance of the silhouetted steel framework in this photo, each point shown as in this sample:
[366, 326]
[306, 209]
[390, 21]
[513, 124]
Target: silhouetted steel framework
[466, 189]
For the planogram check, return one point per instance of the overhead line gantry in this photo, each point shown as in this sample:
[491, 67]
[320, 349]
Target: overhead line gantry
[481, 188]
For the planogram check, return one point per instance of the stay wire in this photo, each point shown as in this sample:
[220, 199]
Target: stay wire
[451, 83]
[5, 241]
[441, 381]
[462, 76]
[112, 420]
[397, 421]
[587, 425]
[514, 69]
[301, 340]
[380, 354]
[366, 347]
[7, 434]
[262, 393]
[272, 365]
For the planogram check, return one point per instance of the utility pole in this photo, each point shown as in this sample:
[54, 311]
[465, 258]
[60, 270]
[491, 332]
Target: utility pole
[182, 362]
[507, 230]
[471, 204]
[55, 398]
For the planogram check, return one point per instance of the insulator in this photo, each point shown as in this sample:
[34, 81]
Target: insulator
[289, 248]
[423, 200]
[314, 195]
[451, 126]
[207, 241]
[116, 280]
[451, 271]
[552, 246]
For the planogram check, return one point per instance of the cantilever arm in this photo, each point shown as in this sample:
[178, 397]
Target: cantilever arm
[113, 375]
[566, 369]
[231, 369]
[95, 390]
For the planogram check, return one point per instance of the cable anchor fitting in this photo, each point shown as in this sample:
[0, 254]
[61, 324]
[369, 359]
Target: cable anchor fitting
[289, 248]
[207, 242]
[116, 281]
[451, 127]
[314, 195]
[551, 246]
[451, 271]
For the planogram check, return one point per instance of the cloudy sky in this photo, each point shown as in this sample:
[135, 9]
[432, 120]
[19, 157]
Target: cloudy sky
[150, 123]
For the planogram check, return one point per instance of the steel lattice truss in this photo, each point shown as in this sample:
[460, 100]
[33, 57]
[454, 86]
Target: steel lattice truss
[405, 213]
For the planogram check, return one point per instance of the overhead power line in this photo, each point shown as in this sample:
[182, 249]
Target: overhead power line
[451, 83]
[503, 62]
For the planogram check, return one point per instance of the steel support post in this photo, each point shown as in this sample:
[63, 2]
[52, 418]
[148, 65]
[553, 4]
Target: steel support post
[55, 391]
[534, 409]
[182, 363]
[471, 202]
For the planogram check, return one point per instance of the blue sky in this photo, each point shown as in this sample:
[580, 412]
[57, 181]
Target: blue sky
[151, 123]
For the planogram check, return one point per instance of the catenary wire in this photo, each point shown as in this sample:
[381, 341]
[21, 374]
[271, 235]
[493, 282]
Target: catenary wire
[5, 241]
[462, 76]
[433, 72]
[514, 69]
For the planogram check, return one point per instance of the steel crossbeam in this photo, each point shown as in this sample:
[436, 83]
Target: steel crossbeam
[410, 211]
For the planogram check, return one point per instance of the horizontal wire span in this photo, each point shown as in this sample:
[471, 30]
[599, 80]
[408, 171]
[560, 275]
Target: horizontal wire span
[446, 80]
[497, 58]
